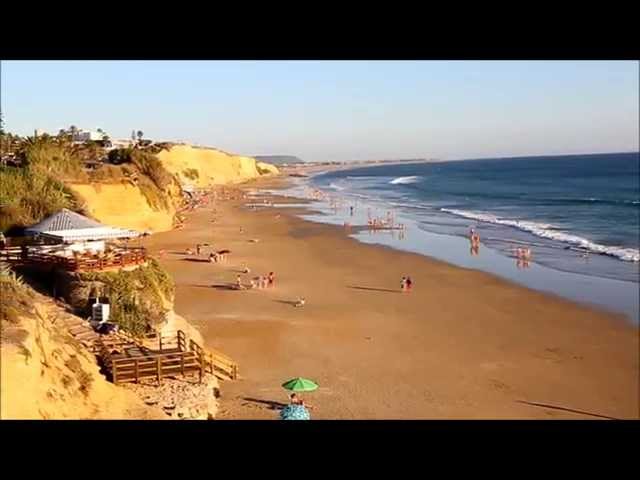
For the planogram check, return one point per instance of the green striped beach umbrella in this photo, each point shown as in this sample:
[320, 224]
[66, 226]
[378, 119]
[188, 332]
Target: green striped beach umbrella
[300, 384]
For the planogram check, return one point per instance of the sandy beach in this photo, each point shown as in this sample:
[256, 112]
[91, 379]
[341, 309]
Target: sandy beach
[463, 344]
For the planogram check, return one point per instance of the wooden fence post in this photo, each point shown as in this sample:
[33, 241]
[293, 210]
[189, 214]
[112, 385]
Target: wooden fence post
[159, 367]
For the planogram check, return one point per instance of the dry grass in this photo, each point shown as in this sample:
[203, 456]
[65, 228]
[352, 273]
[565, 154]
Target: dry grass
[16, 297]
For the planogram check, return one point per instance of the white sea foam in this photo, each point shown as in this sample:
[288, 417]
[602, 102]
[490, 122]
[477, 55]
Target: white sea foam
[549, 231]
[404, 180]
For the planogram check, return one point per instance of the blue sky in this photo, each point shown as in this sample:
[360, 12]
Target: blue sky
[338, 110]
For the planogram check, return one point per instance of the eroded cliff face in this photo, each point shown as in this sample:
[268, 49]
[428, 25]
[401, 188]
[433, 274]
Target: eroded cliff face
[127, 205]
[124, 205]
[203, 167]
[47, 374]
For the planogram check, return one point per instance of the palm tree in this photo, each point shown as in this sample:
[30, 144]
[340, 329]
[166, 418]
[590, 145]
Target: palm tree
[106, 141]
[73, 130]
[140, 135]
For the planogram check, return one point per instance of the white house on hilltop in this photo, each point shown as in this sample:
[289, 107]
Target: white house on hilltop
[87, 135]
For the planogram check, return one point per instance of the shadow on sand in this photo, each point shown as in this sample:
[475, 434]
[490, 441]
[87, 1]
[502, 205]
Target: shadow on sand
[293, 303]
[270, 403]
[218, 286]
[565, 409]
[374, 289]
[199, 260]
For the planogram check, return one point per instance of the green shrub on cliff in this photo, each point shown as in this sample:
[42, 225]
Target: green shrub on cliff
[52, 157]
[37, 189]
[191, 173]
[28, 196]
[152, 178]
[31, 192]
[16, 299]
[137, 297]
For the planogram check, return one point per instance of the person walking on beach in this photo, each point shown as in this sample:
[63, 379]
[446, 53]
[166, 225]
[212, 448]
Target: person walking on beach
[403, 284]
[271, 279]
[351, 210]
[198, 248]
[409, 284]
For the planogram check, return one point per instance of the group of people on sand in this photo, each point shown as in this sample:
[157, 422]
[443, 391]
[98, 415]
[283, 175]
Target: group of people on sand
[406, 284]
[259, 282]
[214, 256]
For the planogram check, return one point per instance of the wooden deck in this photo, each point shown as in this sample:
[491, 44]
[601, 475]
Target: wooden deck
[82, 263]
[128, 360]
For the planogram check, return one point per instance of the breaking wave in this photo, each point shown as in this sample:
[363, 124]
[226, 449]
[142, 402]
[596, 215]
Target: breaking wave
[544, 230]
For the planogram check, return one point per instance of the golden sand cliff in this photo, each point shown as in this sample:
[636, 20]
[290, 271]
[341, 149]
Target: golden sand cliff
[213, 167]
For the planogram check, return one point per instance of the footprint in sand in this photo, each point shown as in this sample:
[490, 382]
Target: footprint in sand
[498, 385]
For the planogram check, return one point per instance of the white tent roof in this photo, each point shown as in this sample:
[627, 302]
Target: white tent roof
[69, 226]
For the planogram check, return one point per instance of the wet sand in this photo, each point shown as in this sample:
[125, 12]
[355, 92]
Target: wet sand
[462, 344]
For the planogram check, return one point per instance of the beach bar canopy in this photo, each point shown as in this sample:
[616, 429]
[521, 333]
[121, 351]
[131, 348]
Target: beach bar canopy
[68, 226]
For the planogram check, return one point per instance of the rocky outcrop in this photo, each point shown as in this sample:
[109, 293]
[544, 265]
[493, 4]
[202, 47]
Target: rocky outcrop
[181, 398]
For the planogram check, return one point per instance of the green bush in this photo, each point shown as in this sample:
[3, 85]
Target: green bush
[120, 155]
[153, 179]
[149, 165]
[136, 296]
[191, 173]
[28, 196]
[107, 174]
[58, 160]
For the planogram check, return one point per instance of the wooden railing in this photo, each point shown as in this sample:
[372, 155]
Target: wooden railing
[170, 359]
[215, 363]
[119, 258]
[133, 369]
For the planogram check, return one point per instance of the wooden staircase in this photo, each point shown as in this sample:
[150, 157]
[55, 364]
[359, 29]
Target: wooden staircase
[155, 356]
